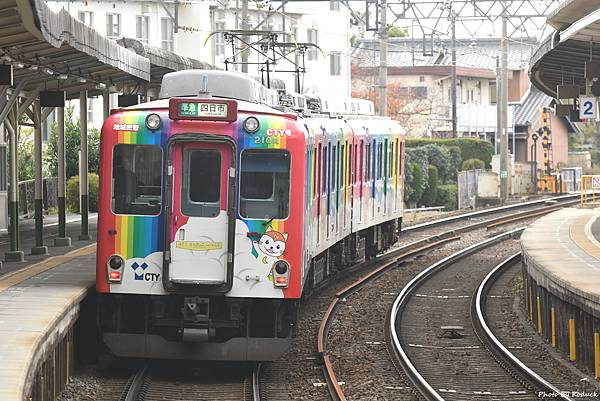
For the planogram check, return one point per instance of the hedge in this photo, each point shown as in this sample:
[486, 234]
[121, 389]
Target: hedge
[447, 195]
[470, 148]
[73, 193]
[472, 164]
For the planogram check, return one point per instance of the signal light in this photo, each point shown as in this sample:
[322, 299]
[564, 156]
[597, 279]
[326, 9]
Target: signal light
[115, 271]
[114, 276]
[281, 273]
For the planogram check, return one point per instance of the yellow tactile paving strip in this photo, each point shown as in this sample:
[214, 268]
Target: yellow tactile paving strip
[30, 271]
[580, 236]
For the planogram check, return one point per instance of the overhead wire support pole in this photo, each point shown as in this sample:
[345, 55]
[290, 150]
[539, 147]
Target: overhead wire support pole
[383, 44]
[454, 116]
[245, 28]
[504, 109]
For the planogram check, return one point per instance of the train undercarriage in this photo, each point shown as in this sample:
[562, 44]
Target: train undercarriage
[210, 327]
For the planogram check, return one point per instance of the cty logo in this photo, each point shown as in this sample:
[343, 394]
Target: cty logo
[142, 276]
[135, 266]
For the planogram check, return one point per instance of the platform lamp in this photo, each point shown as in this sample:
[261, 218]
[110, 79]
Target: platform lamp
[535, 138]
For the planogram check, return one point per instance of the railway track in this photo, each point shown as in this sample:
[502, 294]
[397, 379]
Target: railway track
[152, 383]
[456, 362]
[457, 225]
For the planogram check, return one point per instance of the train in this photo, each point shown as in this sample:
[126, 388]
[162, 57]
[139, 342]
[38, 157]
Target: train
[220, 210]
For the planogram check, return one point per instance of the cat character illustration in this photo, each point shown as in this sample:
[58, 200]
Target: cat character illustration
[271, 244]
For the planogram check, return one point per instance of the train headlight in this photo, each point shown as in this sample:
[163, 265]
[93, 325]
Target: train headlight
[115, 271]
[153, 122]
[281, 274]
[251, 124]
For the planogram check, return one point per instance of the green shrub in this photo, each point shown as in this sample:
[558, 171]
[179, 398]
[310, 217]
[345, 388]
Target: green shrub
[447, 195]
[470, 148]
[472, 164]
[73, 193]
[418, 184]
[429, 197]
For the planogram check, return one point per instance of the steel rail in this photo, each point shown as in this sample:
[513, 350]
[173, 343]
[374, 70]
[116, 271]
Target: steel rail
[479, 213]
[256, 383]
[532, 213]
[135, 386]
[491, 342]
[411, 249]
[401, 300]
[404, 252]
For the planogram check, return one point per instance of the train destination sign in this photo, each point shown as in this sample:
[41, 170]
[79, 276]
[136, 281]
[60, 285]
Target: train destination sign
[202, 109]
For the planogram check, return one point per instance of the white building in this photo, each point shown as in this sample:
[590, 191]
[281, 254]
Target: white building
[326, 24]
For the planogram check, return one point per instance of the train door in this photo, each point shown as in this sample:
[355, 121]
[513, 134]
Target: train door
[385, 175]
[319, 177]
[327, 191]
[335, 177]
[361, 172]
[202, 221]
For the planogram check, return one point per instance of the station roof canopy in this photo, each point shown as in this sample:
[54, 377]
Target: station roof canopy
[561, 57]
[55, 50]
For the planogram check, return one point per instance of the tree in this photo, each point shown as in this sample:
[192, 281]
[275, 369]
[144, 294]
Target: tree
[72, 147]
[397, 32]
[26, 156]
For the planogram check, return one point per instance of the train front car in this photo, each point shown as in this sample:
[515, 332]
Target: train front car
[200, 225]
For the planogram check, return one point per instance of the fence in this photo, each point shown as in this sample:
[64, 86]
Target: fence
[27, 195]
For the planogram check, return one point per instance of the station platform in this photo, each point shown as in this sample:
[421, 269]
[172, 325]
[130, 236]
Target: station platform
[39, 305]
[561, 271]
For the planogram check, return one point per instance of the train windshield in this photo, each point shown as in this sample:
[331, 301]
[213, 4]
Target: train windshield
[265, 184]
[136, 179]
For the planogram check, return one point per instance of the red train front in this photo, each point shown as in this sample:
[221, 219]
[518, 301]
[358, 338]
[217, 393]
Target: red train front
[204, 237]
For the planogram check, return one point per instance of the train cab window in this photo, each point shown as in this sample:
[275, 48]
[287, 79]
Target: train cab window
[324, 173]
[265, 184]
[137, 179]
[379, 161]
[334, 168]
[201, 185]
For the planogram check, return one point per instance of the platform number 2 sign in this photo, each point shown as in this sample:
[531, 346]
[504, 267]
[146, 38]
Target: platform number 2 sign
[587, 107]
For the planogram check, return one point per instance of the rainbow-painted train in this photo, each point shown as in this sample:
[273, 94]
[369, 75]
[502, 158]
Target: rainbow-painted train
[218, 212]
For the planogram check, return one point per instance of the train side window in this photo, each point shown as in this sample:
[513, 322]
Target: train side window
[350, 161]
[386, 150]
[374, 161]
[355, 175]
[137, 179]
[315, 170]
[391, 161]
[343, 167]
[327, 177]
[400, 152]
[319, 169]
[379, 160]
[368, 162]
[397, 149]
[324, 173]
[334, 167]
[362, 162]
[265, 184]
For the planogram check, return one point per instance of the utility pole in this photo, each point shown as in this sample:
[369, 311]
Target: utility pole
[454, 117]
[498, 100]
[383, 43]
[245, 28]
[504, 111]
